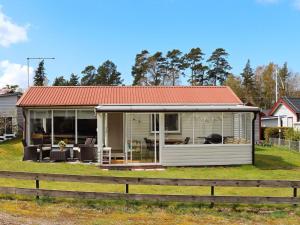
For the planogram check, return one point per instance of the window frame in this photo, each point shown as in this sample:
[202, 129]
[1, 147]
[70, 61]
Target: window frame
[178, 131]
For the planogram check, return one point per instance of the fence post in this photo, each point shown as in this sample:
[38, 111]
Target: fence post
[212, 193]
[37, 186]
[295, 194]
[126, 188]
[279, 141]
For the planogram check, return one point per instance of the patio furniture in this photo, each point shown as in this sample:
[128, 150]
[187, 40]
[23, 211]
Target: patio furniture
[88, 154]
[186, 140]
[106, 155]
[213, 139]
[58, 155]
[31, 153]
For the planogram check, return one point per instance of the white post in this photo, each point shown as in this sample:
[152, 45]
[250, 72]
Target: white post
[100, 136]
[52, 128]
[161, 134]
[193, 128]
[155, 138]
[76, 126]
[222, 128]
[106, 129]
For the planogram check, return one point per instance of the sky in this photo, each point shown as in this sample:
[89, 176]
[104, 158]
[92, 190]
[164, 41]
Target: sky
[88, 32]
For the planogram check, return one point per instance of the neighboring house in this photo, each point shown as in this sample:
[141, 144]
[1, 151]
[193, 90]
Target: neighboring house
[11, 118]
[167, 126]
[284, 113]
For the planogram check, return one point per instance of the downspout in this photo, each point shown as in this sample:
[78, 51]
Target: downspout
[253, 137]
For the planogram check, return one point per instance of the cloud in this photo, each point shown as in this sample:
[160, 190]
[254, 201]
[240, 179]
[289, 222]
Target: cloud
[13, 73]
[10, 32]
[296, 4]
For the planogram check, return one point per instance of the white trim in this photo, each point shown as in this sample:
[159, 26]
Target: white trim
[100, 136]
[168, 131]
[205, 145]
[161, 134]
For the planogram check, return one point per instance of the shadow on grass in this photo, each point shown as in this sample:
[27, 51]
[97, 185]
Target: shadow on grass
[271, 162]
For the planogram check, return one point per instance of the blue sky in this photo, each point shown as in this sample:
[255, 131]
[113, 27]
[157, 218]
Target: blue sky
[79, 33]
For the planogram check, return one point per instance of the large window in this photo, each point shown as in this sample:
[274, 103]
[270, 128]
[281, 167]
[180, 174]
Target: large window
[40, 127]
[86, 125]
[172, 123]
[64, 126]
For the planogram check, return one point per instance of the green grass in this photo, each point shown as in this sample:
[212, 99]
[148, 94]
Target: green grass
[271, 163]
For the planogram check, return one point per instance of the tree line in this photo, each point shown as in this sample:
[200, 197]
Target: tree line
[253, 86]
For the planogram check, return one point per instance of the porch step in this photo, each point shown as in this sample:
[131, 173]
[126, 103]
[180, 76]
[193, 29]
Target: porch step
[131, 167]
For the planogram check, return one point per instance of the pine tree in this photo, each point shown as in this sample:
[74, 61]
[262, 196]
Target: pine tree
[284, 75]
[89, 74]
[107, 74]
[140, 68]
[60, 81]
[156, 69]
[172, 67]
[193, 62]
[40, 75]
[74, 80]
[219, 67]
[249, 83]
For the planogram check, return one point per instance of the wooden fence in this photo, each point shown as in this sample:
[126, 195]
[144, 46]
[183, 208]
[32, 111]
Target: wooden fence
[212, 183]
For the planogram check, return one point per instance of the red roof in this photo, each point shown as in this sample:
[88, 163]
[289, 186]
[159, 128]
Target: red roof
[130, 95]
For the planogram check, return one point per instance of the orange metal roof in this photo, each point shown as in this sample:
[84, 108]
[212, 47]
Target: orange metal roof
[130, 95]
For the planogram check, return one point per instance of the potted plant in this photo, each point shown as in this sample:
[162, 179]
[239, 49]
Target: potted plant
[62, 145]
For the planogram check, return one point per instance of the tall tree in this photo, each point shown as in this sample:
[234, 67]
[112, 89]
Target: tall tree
[193, 61]
[156, 68]
[284, 76]
[89, 74]
[172, 66]
[219, 67]
[74, 80]
[60, 81]
[235, 84]
[268, 86]
[140, 68]
[249, 83]
[107, 74]
[11, 88]
[40, 78]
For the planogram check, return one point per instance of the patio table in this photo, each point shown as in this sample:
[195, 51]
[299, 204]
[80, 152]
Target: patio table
[58, 155]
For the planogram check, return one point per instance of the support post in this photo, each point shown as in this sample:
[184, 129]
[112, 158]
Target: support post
[99, 136]
[37, 186]
[126, 188]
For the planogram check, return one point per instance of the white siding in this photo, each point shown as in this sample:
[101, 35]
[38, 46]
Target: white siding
[289, 117]
[206, 155]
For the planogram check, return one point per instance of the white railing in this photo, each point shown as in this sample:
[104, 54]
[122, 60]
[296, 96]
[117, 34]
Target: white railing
[291, 145]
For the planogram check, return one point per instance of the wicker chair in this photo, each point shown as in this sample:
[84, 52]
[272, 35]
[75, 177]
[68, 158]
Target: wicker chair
[31, 153]
[88, 153]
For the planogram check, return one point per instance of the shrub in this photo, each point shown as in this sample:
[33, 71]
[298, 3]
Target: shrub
[273, 132]
[291, 134]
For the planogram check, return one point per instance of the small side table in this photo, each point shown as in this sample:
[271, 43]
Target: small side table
[58, 155]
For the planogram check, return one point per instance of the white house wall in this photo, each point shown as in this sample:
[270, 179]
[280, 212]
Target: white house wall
[289, 118]
[206, 155]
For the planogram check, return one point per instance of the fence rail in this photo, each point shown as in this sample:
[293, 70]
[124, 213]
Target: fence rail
[37, 177]
[292, 145]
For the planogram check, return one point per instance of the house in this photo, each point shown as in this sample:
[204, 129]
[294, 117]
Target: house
[10, 116]
[284, 113]
[149, 125]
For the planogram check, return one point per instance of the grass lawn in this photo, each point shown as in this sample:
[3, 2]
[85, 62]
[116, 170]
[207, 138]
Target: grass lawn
[271, 163]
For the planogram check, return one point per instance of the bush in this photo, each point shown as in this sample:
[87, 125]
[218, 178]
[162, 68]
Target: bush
[292, 135]
[273, 132]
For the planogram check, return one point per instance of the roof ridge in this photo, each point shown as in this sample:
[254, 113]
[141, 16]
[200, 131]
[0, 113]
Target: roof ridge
[178, 86]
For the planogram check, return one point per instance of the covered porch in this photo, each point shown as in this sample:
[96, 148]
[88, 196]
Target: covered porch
[139, 135]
